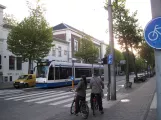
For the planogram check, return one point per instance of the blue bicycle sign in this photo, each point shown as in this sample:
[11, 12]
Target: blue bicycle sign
[152, 33]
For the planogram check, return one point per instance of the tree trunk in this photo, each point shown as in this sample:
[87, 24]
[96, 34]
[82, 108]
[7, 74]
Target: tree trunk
[29, 68]
[127, 66]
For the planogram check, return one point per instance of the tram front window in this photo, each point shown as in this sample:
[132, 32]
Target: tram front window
[42, 71]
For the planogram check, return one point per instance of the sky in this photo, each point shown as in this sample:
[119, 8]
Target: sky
[86, 15]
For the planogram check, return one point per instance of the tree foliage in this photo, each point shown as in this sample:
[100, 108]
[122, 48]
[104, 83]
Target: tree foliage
[125, 29]
[87, 50]
[147, 53]
[31, 38]
[140, 64]
[9, 19]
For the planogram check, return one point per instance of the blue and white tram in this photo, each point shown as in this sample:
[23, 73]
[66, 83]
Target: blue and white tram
[57, 74]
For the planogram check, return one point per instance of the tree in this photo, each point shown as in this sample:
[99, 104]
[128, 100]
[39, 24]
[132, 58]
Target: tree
[9, 19]
[140, 66]
[31, 38]
[87, 50]
[125, 27]
[147, 53]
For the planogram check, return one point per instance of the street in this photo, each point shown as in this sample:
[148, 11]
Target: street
[42, 104]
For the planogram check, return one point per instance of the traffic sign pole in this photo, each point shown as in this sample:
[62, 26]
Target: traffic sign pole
[153, 38]
[111, 43]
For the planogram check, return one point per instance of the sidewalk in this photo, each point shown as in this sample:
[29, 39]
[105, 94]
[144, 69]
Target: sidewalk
[135, 106]
[131, 104]
[6, 85]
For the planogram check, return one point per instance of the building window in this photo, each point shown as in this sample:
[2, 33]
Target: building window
[75, 45]
[53, 51]
[19, 63]
[59, 51]
[65, 52]
[11, 62]
[10, 78]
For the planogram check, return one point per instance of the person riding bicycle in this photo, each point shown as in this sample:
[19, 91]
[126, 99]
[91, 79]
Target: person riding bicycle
[96, 85]
[80, 92]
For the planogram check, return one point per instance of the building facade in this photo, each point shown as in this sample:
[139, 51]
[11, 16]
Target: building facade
[10, 65]
[70, 36]
[65, 39]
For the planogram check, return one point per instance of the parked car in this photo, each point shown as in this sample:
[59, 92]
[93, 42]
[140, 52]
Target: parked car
[141, 77]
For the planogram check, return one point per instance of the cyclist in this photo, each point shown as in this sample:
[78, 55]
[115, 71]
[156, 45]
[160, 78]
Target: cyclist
[81, 92]
[96, 85]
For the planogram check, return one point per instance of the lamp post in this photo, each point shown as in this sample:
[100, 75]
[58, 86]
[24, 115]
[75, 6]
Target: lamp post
[92, 65]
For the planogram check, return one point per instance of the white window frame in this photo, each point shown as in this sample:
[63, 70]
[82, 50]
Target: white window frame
[75, 47]
[53, 51]
[59, 51]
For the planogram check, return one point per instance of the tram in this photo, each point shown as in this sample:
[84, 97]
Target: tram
[58, 74]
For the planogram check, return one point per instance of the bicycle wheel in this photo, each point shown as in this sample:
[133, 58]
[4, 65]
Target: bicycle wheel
[84, 110]
[72, 108]
[153, 36]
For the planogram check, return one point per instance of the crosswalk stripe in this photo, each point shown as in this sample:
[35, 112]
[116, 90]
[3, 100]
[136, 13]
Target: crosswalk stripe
[9, 92]
[66, 100]
[17, 95]
[27, 95]
[57, 98]
[39, 96]
[37, 99]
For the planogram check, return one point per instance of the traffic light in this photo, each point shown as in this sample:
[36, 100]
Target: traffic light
[104, 60]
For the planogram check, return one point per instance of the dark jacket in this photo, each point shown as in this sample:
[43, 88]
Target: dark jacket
[81, 88]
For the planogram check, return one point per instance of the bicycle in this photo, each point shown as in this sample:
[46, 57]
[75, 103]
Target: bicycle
[95, 104]
[83, 105]
[153, 35]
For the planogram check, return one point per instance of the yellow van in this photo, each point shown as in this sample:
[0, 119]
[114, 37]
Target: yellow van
[27, 80]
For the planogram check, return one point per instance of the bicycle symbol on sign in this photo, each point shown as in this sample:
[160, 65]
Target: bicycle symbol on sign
[153, 35]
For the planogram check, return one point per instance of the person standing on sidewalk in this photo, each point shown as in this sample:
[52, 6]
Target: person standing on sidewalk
[96, 85]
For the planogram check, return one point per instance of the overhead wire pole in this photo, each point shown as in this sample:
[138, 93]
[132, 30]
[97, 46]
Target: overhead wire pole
[111, 43]
[156, 12]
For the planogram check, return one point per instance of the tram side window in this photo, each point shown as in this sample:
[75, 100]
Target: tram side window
[62, 73]
[51, 73]
[82, 71]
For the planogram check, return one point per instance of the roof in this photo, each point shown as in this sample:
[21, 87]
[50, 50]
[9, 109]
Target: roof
[65, 26]
[1, 6]
[59, 27]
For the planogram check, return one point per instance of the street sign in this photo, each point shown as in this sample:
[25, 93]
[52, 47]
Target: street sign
[152, 33]
[110, 59]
